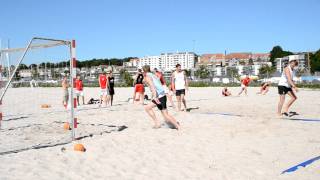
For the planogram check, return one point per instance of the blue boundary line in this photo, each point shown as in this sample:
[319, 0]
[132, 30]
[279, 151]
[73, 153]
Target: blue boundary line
[224, 114]
[304, 119]
[304, 164]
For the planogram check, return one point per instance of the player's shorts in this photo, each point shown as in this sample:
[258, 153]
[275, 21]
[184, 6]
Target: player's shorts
[163, 103]
[180, 91]
[104, 92]
[139, 88]
[283, 90]
[79, 93]
[111, 91]
[65, 96]
[243, 86]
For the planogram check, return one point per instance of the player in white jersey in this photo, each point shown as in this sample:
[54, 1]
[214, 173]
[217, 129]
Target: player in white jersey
[179, 85]
[286, 86]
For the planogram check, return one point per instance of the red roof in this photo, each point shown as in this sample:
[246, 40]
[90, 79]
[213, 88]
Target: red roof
[207, 58]
[238, 56]
[260, 55]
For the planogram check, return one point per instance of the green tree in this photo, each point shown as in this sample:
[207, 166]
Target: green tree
[250, 61]
[188, 72]
[265, 71]
[315, 61]
[202, 72]
[23, 66]
[233, 73]
[125, 75]
[278, 52]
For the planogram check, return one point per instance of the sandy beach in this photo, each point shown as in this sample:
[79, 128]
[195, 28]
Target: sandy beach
[227, 138]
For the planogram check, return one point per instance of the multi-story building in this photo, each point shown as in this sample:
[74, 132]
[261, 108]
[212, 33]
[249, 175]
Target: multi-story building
[260, 57]
[25, 73]
[282, 62]
[212, 59]
[152, 61]
[233, 59]
[168, 61]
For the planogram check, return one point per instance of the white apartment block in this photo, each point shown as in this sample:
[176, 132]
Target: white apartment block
[282, 62]
[152, 61]
[168, 61]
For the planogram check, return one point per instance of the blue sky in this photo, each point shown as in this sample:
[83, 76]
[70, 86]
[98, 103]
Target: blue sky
[122, 28]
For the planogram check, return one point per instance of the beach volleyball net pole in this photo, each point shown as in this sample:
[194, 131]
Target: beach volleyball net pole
[13, 60]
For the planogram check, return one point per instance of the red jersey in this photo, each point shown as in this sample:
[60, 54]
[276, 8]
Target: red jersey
[79, 84]
[103, 81]
[160, 76]
[246, 81]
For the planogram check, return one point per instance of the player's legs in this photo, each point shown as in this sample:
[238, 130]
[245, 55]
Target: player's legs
[149, 109]
[179, 102]
[242, 89]
[170, 118]
[282, 98]
[184, 101]
[111, 100]
[293, 98]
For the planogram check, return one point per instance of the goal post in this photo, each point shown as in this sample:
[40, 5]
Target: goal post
[71, 44]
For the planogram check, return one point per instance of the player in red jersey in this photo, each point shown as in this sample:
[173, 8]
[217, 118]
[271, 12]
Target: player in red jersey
[244, 85]
[79, 89]
[104, 92]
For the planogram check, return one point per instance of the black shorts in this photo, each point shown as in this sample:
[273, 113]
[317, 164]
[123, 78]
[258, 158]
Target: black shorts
[163, 103]
[180, 91]
[283, 90]
[111, 91]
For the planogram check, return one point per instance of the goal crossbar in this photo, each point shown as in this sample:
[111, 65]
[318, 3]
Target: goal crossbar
[35, 46]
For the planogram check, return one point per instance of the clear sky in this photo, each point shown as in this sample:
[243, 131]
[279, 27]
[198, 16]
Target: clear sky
[122, 28]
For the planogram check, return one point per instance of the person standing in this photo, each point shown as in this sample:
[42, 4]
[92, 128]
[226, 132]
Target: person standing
[286, 86]
[159, 99]
[65, 86]
[103, 88]
[79, 89]
[111, 86]
[244, 85]
[139, 87]
[179, 85]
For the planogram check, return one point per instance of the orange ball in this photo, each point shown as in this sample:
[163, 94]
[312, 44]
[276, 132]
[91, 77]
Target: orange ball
[66, 126]
[79, 147]
[45, 106]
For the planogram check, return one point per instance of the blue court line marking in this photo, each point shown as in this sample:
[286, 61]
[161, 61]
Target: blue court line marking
[302, 119]
[224, 114]
[304, 164]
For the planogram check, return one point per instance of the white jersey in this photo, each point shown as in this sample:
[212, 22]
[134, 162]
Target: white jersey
[179, 81]
[284, 80]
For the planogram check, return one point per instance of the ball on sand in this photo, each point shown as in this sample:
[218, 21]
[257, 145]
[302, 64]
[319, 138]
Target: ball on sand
[79, 147]
[66, 126]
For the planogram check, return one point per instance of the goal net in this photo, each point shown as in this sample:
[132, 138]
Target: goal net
[32, 112]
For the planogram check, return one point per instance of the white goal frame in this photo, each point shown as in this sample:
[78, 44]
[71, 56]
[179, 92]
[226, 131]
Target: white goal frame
[73, 73]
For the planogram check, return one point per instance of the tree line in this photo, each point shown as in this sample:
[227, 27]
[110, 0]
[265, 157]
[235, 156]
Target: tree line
[80, 64]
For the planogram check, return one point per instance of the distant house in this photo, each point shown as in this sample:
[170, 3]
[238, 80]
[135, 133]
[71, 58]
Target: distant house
[301, 58]
[25, 73]
[212, 59]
